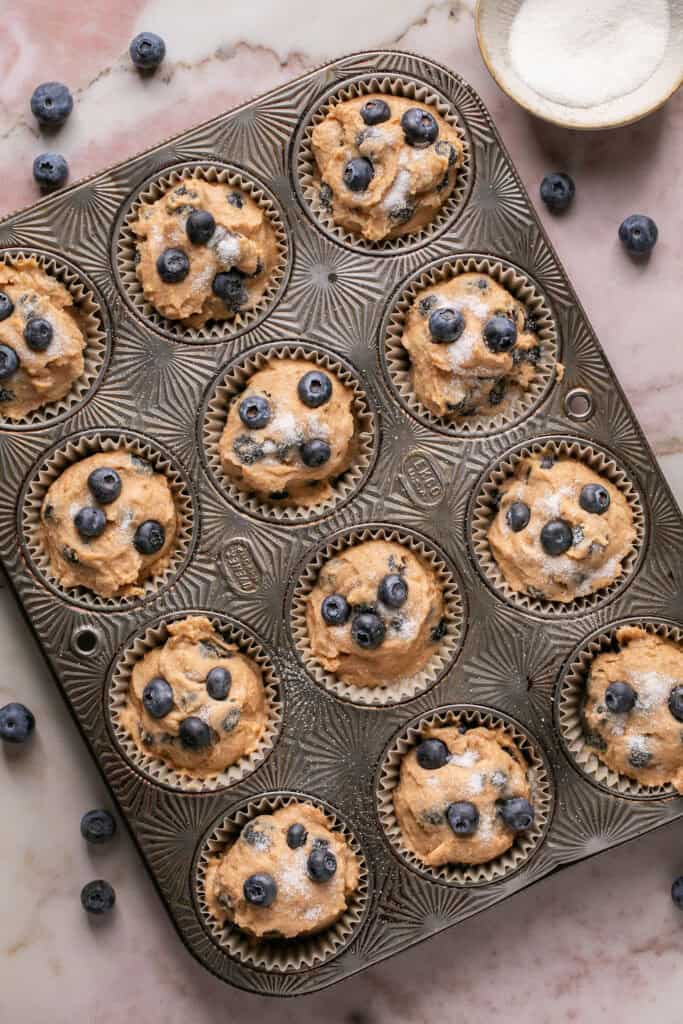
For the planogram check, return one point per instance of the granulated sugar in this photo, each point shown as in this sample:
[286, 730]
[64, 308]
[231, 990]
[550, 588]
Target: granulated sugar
[582, 53]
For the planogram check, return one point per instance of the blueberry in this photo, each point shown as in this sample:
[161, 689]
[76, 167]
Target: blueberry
[676, 703]
[444, 148]
[147, 50]
[367, 630]
[321, 864]
[260, 889]
[446, 325]
[51, 104]
[235, 199]
[638, 233]
[97, 826]
[6, 306]
[393, 591]
[194, 733]
[157, 697]
[90, 522]
[229, 286]
[173, 266]
[556, 537]
[419, 127]
[315, 453]
[218, 683]
[255, 412]
[677, 892]
[557, 191]
[200, 226]
[500, 334]
[16, 723]
[358, 174]
[639, 758]
[463, 817]
[104, 485]
[296, 836]
[594, 498]
[517, 813]
[335, 610]
[98, 897]
[50, 170]
[9, 362]
[431, 754]
[314, 389]
[547, 461]
[375, 112]
[149, 537]
[620, 698]
[518, 516]
[38, 333]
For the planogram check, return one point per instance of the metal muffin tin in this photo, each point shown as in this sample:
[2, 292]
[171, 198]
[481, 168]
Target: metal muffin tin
[336, 297]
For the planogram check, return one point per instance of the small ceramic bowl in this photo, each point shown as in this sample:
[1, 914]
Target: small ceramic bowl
[494, 19]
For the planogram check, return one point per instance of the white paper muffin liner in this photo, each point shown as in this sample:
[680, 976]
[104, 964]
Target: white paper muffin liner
[127, 247]
[234, 379]
[484, 509]
[397, 363]
[542, 795]
[307, 178]
[569, 701]
[53, 465]
[161, 771]
[90, 319]
[284, 955]
[444, 651]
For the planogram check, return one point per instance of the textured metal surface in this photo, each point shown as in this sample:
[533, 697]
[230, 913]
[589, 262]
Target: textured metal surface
[422, 481]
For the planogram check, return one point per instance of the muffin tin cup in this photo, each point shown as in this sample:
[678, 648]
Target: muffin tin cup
[307, 179]
[569, 702]
[287, 955]
[444, 654]
[127, 243]
[79, 447]
[484, 510]
[525, 844]
[396, 360]
[233, 380]
[90, 318]
[160, 771]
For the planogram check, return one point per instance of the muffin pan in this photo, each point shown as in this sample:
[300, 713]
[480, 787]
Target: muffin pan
[155, 388]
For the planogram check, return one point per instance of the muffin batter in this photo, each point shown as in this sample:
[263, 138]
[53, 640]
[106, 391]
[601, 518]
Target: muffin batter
[634, 708]
[473, 348]
[561, 531]
[287, 875]
[375, 615]
[210, 682]
[206, 252]
[387, 164]
[290, 433]
[111, 531]
[41, 341]
[466, 806]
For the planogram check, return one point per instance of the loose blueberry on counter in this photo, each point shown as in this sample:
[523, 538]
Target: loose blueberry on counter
[393, 591]
[375, 112]
[446, 325]
[419, 127]
[16, 723]
[9, 362]
[358, 174]
[157, 697]
[321, 864]
[255, 412]
[149, 537]
[500, 334]
[104, 485]
[50, 171]
[594, 498]
[368, 630]
[315, 453]
[620, 698]
[51, 104]
[296, 836]
[431, 754]
[218, 683]
[173, 266]
[335, 610]
[314, 389]
[90, 522]
[38, 333]
[639, 234]
[463, 817]
[556, 537]
[677, 892]
[557, 191]
[676, 703]
[517, 813]
[200, 226]
[98, 826]
[229, 286]
[260, 889]
[194, 733]
[147, 50]
[518, 516]
[98, 897]
[6, 306]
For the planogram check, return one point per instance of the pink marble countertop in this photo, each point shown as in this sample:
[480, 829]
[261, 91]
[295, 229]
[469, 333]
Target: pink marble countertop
[596, 943]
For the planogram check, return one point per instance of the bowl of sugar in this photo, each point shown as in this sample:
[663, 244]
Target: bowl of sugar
[584, 63]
